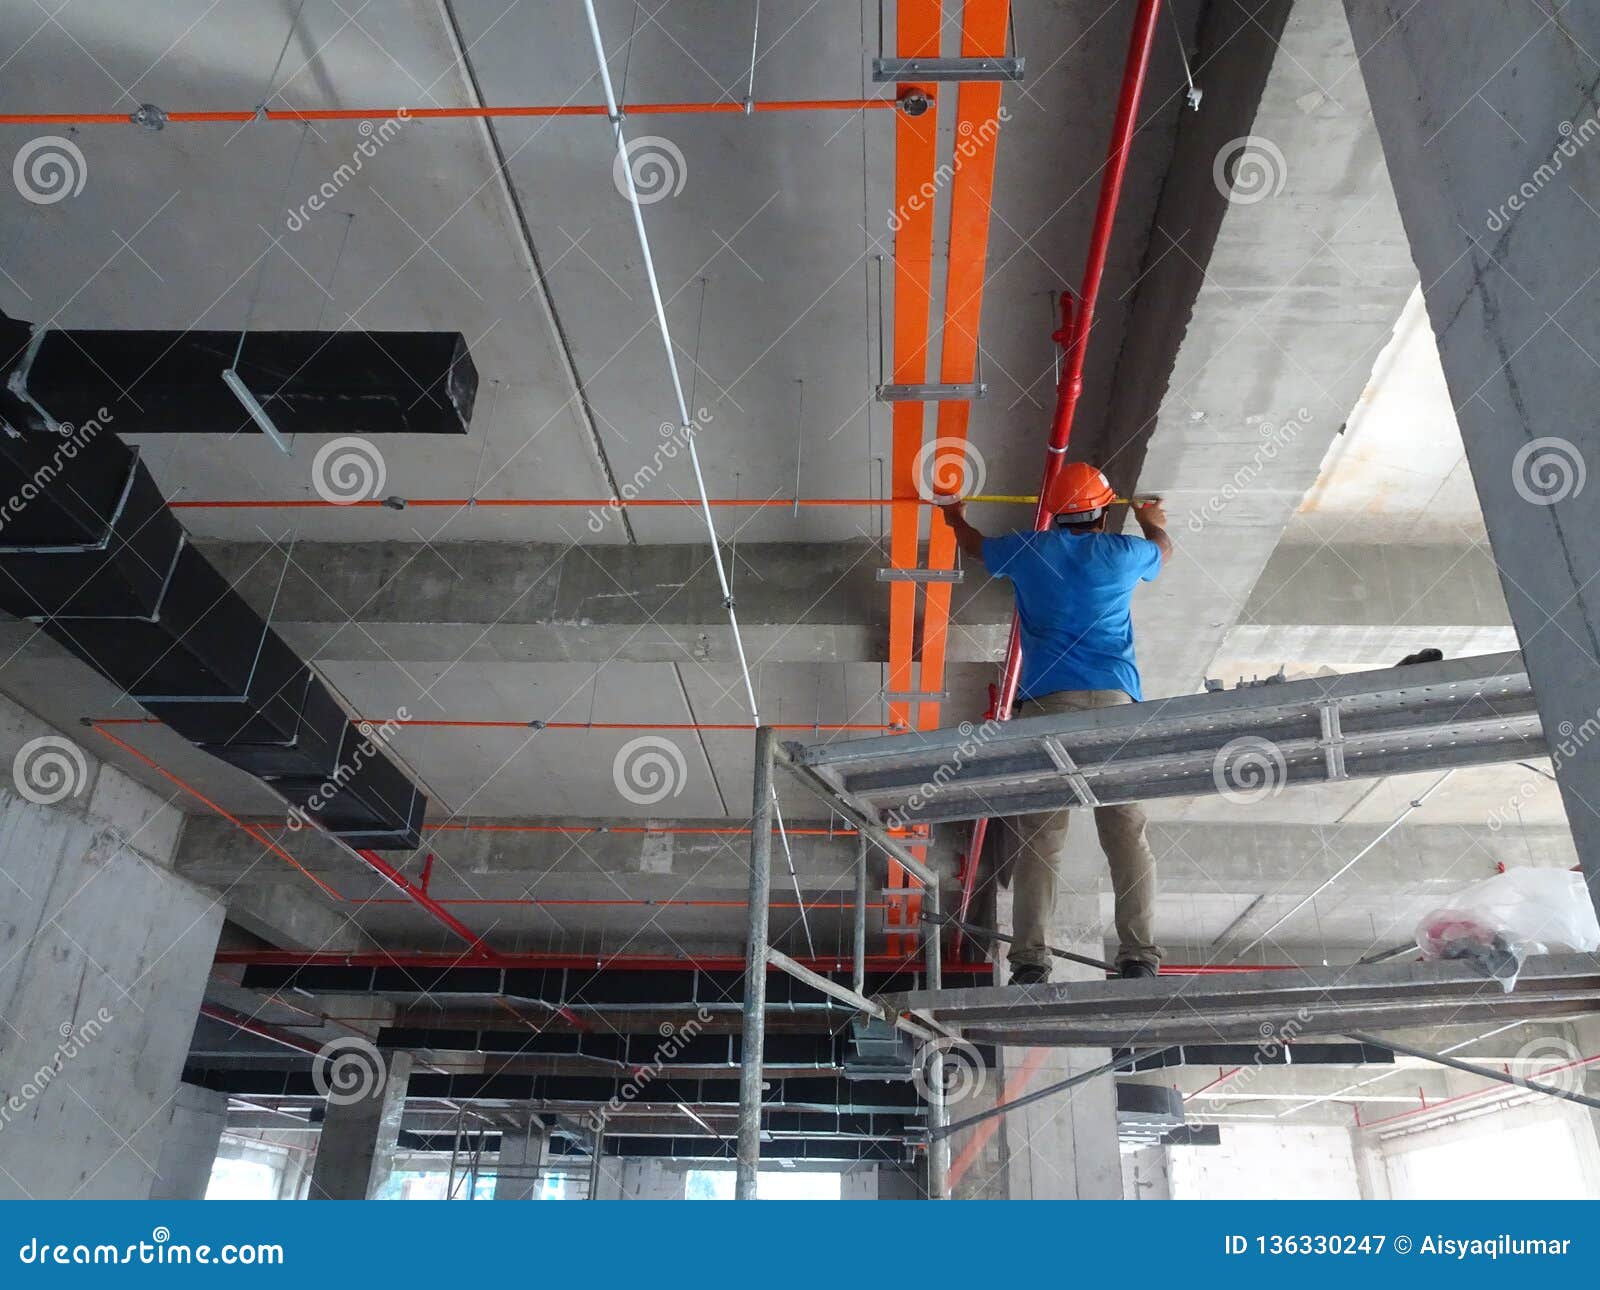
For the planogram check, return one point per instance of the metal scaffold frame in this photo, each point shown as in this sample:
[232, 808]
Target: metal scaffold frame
[1467, 711]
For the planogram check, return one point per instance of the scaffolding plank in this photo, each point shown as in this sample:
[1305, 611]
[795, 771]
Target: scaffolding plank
[1244, 743]
[1236, 1007]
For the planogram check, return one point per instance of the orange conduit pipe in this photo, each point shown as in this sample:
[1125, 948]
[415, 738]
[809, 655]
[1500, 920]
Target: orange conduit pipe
[918, 29]
[971, 197]
[244, 117]
[1074, 337]
[195, 793]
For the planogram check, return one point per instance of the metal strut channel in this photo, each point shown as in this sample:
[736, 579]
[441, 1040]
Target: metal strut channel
[1241, 1008]
[1248, 744]
[948, 69]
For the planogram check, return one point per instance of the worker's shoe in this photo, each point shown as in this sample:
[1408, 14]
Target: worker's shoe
[1028, 974]
[1133, 969]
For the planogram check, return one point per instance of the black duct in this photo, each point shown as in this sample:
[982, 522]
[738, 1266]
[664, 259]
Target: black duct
[90, 551]
[170, 382]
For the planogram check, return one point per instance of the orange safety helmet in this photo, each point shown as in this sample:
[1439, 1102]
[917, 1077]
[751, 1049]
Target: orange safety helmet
[1078, 494]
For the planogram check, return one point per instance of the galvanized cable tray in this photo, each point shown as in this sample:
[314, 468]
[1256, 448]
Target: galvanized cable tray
[1277, 1005]
[1244, 743]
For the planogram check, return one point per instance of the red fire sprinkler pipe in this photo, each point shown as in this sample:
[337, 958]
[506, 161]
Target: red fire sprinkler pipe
[1074, 339]
[475, 947]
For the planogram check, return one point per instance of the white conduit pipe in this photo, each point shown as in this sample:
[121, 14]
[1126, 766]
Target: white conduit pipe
[686, 421]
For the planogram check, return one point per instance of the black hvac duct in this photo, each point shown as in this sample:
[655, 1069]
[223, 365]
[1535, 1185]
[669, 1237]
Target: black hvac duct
[170, 382]
[90, 551]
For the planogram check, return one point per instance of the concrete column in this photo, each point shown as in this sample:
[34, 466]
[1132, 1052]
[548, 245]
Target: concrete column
[104, 962]
[359, 1138]
[521, 1159]
[1065, 1147]
[1489, 124]
[193, 1127]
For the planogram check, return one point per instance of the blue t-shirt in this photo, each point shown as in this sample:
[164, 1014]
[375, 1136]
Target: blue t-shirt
[1073, 592]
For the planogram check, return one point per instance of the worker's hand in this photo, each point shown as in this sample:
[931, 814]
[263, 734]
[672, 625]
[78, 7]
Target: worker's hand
[1151, 513]
[954, 511]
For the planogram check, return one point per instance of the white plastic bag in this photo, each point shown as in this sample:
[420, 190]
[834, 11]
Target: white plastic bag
[1499, 922]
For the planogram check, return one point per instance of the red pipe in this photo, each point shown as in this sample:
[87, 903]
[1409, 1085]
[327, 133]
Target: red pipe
[475, 946]
[449, 113]
[201, 797]
[580, 962]
[1074, 337]
[1222, 1078]
[1482, 1092]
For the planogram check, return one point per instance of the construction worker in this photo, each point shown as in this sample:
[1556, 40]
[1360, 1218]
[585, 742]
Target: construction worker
[1073, 583]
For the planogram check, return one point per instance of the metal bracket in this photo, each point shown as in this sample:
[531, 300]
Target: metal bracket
[916, 696]
[1069, 768]
[17, 382]
[887, 70]
[921, 575]
[1332, 740]
[150, 117]
[253, 409]
[931, 393]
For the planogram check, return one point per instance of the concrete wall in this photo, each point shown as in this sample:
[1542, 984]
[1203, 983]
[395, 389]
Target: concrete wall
[103, 959]
[1268, 1162]
[1542, 1150]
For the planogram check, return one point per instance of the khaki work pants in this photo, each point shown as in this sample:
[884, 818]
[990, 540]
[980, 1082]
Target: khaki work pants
[1043, 840]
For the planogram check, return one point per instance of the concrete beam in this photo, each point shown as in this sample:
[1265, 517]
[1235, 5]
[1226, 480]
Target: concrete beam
[496, 862]
[1370, 604]
[543, 602]
[1261, 310]
[1487, 116]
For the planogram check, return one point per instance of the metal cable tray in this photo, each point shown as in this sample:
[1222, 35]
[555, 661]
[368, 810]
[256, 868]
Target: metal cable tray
[1246, 742]
[1274, 1005]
